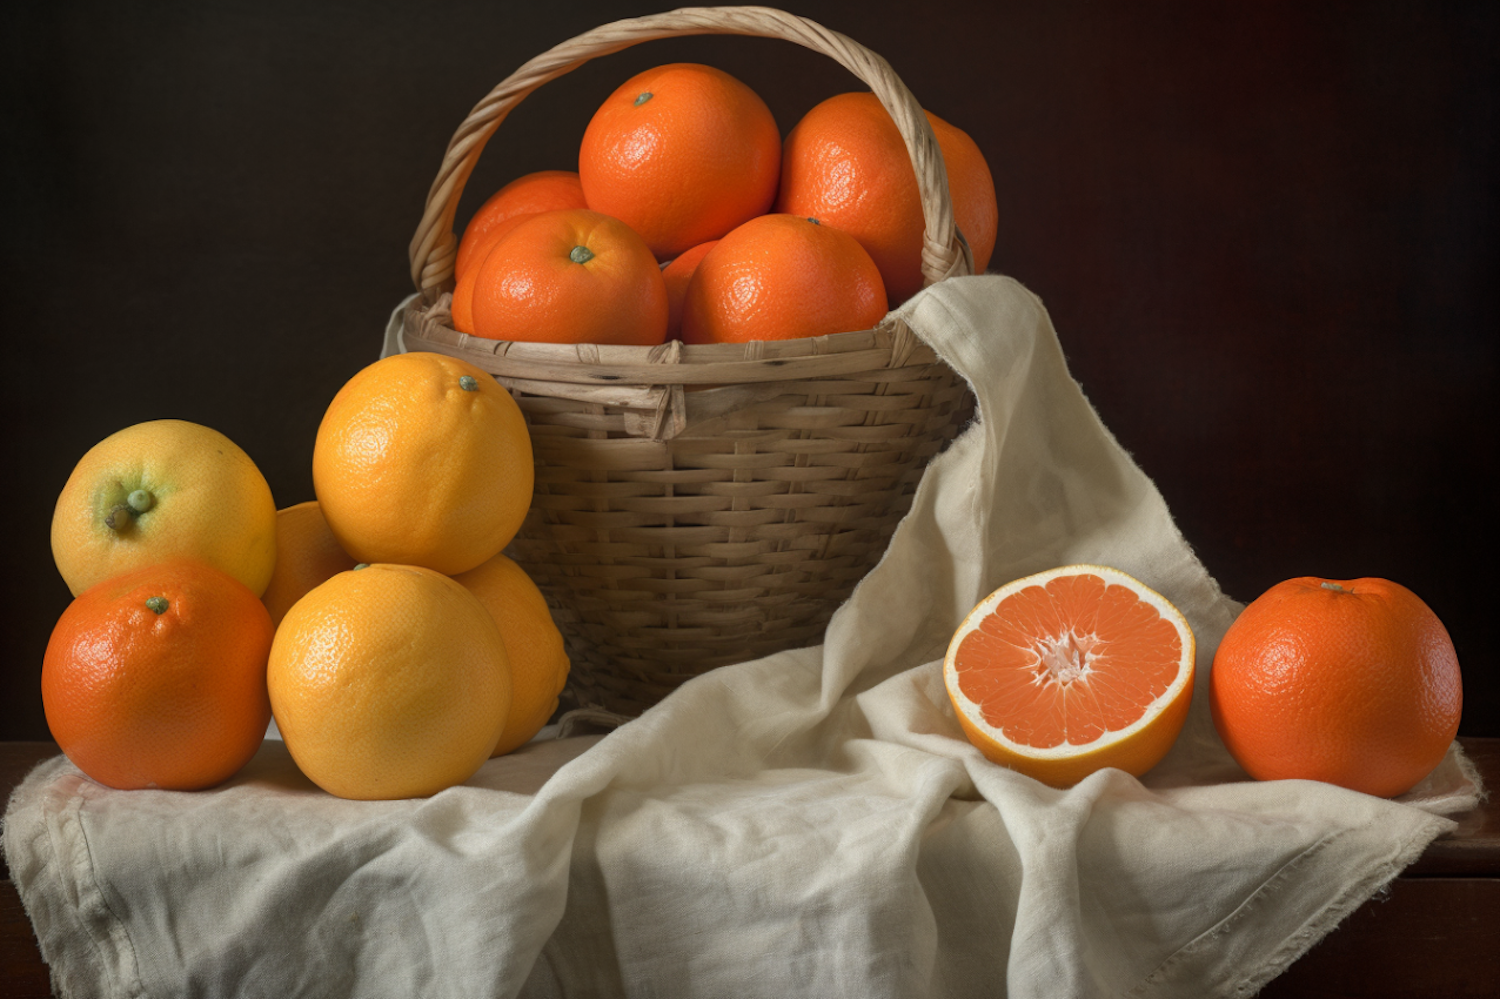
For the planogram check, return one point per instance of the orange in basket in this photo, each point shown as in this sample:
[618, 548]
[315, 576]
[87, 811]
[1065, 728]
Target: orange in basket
[572, 276]
[682, 154]
[678, 274]
[543, 191]
[846, 164]
[778, 277]
[463, 292]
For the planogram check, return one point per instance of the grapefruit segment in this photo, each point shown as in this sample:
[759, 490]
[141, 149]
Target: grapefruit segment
[1071, 670]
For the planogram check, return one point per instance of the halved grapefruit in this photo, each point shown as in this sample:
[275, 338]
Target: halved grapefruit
[1071, 670]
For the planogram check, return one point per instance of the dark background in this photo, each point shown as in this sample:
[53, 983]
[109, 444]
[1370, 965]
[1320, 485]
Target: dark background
[1266, 234]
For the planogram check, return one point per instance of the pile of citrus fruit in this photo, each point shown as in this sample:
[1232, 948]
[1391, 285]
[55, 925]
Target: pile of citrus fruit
[398, 648]
[690, 218]
[381, 625]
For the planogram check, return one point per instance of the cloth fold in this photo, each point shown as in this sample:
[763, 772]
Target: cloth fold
[810, 823]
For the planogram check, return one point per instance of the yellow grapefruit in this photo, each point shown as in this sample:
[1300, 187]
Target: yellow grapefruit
[307, 554]
[163, 490]
[389, 681]
[538, 661]
[423, 459]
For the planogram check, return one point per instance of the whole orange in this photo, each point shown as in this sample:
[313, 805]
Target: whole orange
[389, 681]
[1354, 682]
[462, 308]
[307, 554]
[677, 276]
[846, 164]
[157, 678]
[682, 154]
[423, 459]
[571, 276]
[543, 191]
[778, 277]
[160, 490]
[538, 661]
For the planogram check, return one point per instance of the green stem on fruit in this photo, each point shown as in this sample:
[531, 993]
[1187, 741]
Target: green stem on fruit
[122, 515]
[1334, 586]
[645, 96]
[468, 384]
[158, 605]
[580, 255]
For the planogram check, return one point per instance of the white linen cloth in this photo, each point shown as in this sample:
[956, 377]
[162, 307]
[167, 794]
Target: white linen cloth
[809, 824]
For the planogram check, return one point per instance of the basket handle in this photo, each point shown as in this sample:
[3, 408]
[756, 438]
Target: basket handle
[434, 248]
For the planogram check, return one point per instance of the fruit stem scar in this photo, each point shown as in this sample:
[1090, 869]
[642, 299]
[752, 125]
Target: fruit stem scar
[580, 255]
[158, 605]
[468, 384]
[122, 515]
[1334, 586]
[643, 98]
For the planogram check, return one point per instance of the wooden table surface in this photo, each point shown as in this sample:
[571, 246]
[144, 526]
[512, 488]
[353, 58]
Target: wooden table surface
[1435, 933]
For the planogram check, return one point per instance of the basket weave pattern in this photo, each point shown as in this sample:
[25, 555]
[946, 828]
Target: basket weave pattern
[739, 525]
[701, 505]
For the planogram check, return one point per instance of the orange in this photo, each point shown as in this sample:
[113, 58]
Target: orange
[307, 554]
[389, 681]
[572, 276]
[778, 277]
[161, 490]
[423, 459]
[543, 191]
[682, 154]
[157, 678]
[677, 275]
[1075, 669]
[538, 661]
[462, 308]
[1353, 681]
[845, 163]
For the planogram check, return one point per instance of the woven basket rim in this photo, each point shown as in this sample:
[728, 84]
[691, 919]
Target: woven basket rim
[890, 344]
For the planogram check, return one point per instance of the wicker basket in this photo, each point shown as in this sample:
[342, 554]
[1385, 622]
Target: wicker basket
[701, 505]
